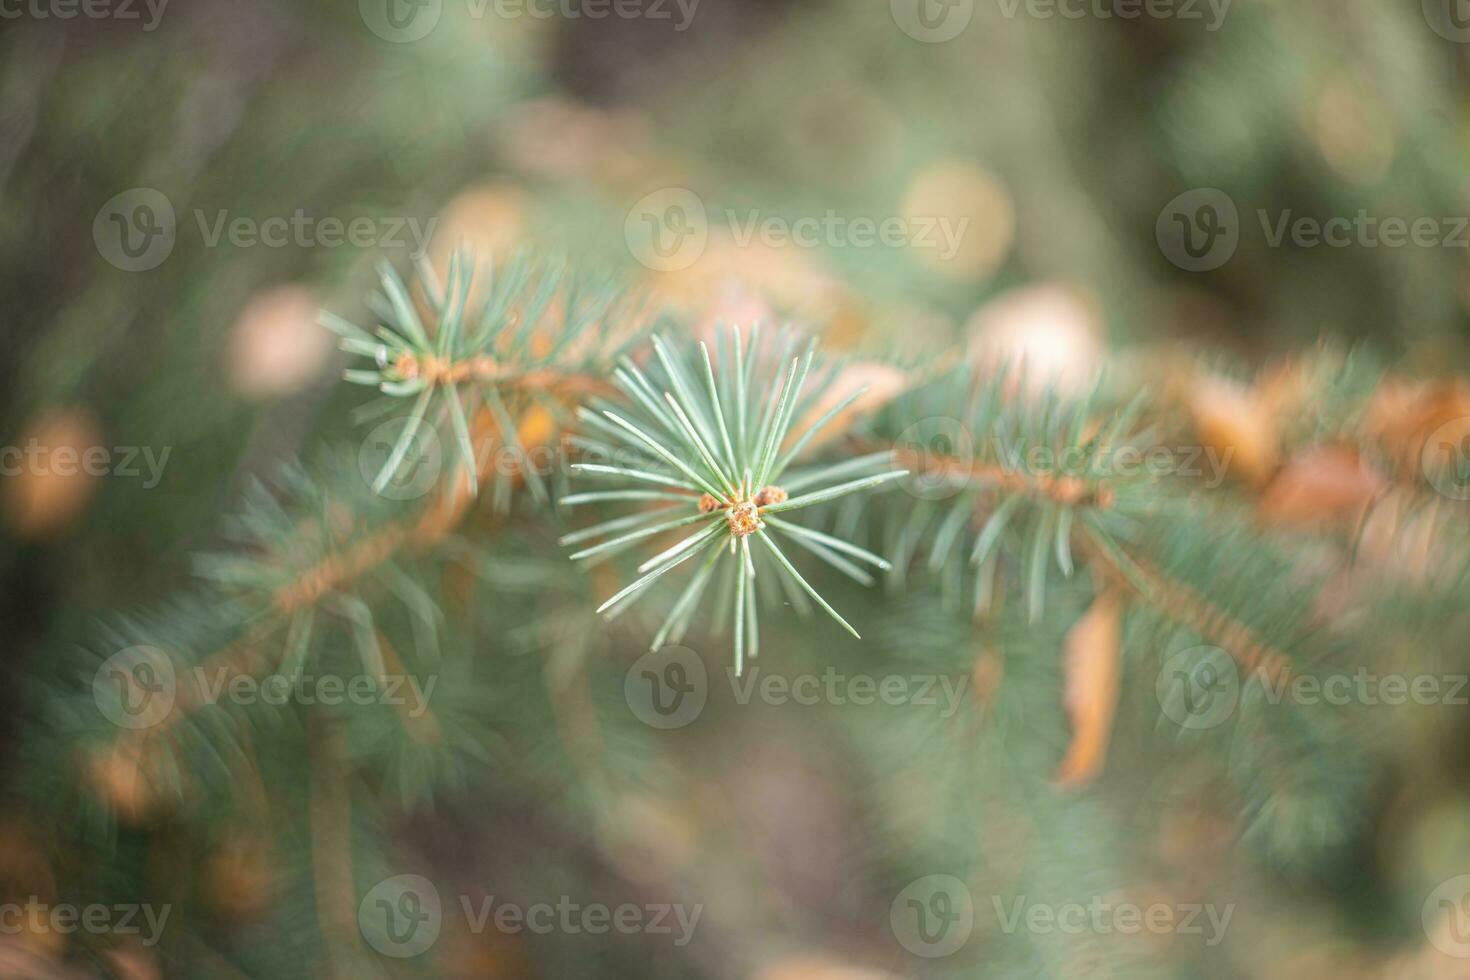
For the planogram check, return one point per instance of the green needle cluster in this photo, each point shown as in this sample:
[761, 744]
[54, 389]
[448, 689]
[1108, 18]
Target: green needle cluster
[711, 452]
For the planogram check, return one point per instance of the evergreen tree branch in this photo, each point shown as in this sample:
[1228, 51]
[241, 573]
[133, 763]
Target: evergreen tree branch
[1183, 603]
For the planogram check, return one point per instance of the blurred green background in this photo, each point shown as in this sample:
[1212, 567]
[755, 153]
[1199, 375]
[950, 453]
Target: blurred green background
[149, 156]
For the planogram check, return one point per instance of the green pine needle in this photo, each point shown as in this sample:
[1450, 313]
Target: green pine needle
[717, 429]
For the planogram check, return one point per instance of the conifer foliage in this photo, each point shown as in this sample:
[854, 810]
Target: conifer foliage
[717, 450]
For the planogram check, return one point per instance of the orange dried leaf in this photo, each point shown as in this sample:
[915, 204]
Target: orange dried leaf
[1321, 483]
[1238, 426]
[1092, 664]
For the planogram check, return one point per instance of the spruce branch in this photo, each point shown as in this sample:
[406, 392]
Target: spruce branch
[1017, 473]
[711, 434]
[1185, 604]
[533, 339]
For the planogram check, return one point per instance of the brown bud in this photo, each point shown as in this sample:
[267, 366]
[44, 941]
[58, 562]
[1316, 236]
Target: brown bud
[770, 495]
[744, 520]
[708, 504]
[406, 366]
